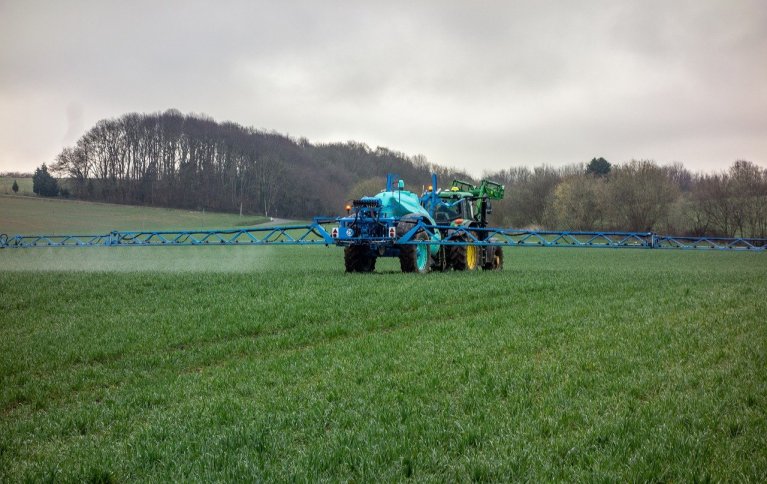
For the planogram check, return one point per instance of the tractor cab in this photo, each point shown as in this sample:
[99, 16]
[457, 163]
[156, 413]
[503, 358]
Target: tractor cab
[454, 206]
[463, 203]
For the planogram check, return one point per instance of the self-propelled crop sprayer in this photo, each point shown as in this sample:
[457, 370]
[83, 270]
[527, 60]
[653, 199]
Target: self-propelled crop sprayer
[438, 224]
[437, 230]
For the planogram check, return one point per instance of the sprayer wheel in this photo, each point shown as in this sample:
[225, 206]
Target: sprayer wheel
[497, 262]
[415, 258]
[463, 257]
[357, 258]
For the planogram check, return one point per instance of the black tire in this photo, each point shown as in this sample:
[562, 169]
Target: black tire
[357, 258]
[458, 256]
[496, 264]
[369, 265]
[408, 256]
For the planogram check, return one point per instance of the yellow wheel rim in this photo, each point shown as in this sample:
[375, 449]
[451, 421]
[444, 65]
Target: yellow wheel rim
[471, 257]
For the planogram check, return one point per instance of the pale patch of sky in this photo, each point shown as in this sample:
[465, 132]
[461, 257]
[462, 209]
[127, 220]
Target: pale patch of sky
[477, 85]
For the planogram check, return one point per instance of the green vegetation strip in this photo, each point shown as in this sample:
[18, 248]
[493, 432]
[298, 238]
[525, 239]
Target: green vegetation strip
[33, 216]
[24, 184]
[572, 365]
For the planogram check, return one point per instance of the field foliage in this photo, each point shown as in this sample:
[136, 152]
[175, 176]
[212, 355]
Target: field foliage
[249, 363]
[25, 186]
[33, 215]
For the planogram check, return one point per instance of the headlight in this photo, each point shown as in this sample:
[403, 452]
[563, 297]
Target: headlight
[350, 232]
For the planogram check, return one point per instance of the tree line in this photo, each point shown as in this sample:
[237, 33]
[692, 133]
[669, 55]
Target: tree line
[191, 161]
[638, 196]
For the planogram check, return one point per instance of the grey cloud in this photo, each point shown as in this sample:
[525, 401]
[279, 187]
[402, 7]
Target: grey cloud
[481, 85]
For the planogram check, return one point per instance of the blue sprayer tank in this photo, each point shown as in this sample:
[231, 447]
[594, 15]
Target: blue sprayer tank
[399, 203]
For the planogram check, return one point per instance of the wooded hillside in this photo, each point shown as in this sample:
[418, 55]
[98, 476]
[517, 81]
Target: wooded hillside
[190, 161]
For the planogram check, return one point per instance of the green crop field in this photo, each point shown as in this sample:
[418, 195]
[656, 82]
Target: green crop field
[33, 215]
[270, 363]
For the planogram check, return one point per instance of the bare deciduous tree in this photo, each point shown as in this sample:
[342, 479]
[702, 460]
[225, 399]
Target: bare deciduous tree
[639, 195]
[578, 203]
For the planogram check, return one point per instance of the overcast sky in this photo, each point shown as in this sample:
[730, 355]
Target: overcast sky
[475, 84]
